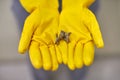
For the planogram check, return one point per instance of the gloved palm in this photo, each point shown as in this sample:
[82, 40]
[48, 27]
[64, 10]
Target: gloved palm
[82, 25]
[38, 34]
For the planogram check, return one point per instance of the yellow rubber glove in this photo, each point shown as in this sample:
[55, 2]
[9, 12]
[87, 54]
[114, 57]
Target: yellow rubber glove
[83, 31]
[39, 31]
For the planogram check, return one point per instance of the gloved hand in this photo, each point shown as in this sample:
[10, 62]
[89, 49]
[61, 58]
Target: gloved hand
[39, 31]
[81, 31]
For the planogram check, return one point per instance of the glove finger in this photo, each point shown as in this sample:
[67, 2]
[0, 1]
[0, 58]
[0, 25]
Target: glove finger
[26, 35]
[95, 30]
[78, 55]
[71, 47]
[35, 56]
[63, 49]
[58, 53]
[47, 63]
[88, 53]
[53, 57]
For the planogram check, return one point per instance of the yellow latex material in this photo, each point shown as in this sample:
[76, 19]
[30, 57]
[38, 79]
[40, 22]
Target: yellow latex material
[31, 5]
[41, 26]
[85, 32]
[39, 31]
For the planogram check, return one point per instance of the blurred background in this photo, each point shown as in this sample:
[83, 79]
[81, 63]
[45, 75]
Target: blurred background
[14, 66]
